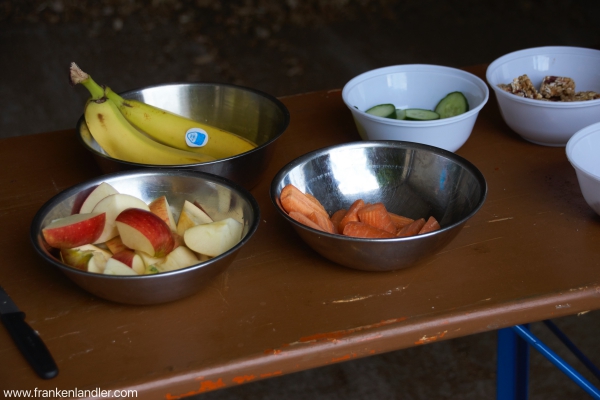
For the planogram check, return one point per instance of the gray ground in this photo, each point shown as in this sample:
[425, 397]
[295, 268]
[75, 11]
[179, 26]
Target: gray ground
[283, 48]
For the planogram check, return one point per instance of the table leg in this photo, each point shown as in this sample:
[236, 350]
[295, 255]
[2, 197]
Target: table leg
[512, 371]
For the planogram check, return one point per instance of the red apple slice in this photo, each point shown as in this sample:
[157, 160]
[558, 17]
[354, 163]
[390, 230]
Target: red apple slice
[132, 260]
[191, 215]
[179, 258]
[160, 207]
[116, 267]
[112, 205]
[75, 230]
[115, 245]
[144, 231]
[214, 238]
[100, 192]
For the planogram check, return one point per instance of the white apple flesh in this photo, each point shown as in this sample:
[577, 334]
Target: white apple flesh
[214, 238]
[144, 231]
[160, 206]
[131, 259]
[179, 258]
[100, 192]
[116, 267]
[112, 205]
[75, 230]
[191, 215]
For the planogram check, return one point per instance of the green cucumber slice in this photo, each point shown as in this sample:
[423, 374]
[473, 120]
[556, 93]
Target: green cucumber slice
[383, 110]
[400, 114]
[453, 104]
[419, 114]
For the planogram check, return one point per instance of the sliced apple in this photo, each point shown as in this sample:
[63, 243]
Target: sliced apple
[115, 245]
[179, 258]
[150, 262]
[132, 260]
[100, 192]
[80, 198]
[75, 230]
[144, 231]
[191, 215]
[160, 206]
[214, 238]
[116, 267]
[86, 258]
[112, 205]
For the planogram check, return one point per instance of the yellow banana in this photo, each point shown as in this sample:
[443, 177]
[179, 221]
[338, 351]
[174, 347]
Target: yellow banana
[166, 127]
[122, 140]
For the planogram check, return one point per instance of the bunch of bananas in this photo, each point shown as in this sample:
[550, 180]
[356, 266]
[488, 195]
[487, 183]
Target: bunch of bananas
[134, 131]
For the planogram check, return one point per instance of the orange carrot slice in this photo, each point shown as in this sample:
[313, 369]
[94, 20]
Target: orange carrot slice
[303, 219]
[362, 230]
[431, 225]
[316, 201]
[324, 222]
[292, 199]
[376, 215]
[399, 220]
[336, 218]
[351, 214]
[411, 229]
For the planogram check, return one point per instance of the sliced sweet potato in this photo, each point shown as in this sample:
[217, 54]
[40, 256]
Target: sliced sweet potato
[303, 219]
[431, 225]
[324, 222]
[351, 214]
[292, 199]
[337, 217]
[411, 229]
[399, 220]
[376, 215]
[362, 230]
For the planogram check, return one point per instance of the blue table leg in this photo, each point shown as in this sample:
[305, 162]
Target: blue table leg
[512, 366]
[526, 335]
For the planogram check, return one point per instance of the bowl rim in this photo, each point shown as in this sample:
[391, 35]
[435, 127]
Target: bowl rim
[378, 143]
[416, 68]
[497, 63]
[36, 224]
[574, 140]
[278, 103]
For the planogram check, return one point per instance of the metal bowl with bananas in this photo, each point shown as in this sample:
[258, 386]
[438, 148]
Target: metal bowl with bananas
[222, 129]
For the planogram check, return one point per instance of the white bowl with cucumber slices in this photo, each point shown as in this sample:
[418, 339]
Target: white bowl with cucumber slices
[420, 103]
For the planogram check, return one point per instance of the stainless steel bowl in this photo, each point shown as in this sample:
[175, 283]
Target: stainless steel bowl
[250, 113]
[411, 179]
[220, 197]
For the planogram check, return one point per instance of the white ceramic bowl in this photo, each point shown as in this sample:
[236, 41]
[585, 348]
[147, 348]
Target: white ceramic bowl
[544, 122]
[415, 86]
[583, 151]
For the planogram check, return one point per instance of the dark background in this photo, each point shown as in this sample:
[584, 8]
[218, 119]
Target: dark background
[284, 48]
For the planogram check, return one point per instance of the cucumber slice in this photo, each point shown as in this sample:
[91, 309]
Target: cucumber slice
[453, 104]
[419, 114]
[400, 114]
[383, 110]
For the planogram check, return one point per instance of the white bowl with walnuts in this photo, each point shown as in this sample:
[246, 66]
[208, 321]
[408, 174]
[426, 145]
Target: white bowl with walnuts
[546, 94]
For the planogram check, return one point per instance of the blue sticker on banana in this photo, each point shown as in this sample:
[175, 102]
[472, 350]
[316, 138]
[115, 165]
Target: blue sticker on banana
[196, 137]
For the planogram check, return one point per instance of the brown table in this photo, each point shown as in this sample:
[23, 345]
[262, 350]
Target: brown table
[531, 253]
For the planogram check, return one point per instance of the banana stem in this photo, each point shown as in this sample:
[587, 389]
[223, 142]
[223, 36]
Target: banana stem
[77, 76]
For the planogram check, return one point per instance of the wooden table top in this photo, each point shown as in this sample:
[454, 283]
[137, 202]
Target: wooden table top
[530, 253]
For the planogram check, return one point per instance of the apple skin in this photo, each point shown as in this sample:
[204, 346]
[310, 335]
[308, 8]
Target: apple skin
[145, 231]
[191, 215]
[75, 230]
[131, 259]
[160, 206]
[113, 205]
[80, 198]
[95, 196]
[214, 238]
[115, 245]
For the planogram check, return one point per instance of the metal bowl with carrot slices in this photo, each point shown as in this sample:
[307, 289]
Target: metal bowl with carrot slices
[378, 205]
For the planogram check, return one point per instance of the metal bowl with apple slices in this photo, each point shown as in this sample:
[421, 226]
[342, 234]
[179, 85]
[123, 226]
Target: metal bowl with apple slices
[252, 114]
[219, 197]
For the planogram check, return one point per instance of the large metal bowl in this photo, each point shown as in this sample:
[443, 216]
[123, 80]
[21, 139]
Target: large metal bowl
[255, 115]
[411, 179]
[219, 197]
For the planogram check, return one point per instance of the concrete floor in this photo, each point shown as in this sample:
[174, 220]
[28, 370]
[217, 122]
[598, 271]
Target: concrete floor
[283, 49]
